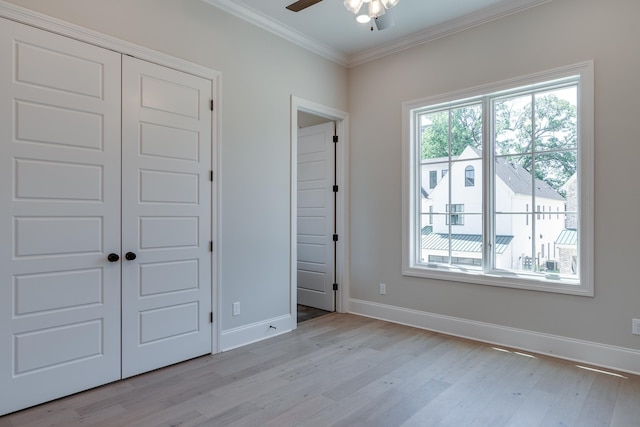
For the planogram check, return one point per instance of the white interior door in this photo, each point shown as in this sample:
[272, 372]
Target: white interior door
[315, 222]
[166, 211]
[59, 216]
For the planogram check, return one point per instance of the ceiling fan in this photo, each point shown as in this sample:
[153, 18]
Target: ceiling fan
[377, 10]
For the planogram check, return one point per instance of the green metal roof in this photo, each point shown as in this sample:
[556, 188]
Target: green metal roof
[461, 242]
[568, 236]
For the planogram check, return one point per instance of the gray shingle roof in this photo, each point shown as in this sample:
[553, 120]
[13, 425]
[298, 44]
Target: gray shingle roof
[519, 179]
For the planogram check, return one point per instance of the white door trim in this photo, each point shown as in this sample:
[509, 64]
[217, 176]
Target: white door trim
[58, 26]
[342, 250]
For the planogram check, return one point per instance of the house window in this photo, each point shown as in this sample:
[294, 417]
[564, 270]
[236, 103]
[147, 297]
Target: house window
[444, 172]
[454, 217]
[536, 149]
[433, 179]
[469, 176]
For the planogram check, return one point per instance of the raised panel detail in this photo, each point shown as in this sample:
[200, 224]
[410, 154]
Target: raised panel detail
[167, 322]
[312, 226]
[168, 232]
[169, 97]
[312, 171]
[87, 78]
[166, 277]
[311, 198]
[311, 253]
[313, 143]
[37, 293]
[164, 141]
[54, 236]
[57, 125]
[168, 187]
[312, 280]
[36, 179]
[48, 348]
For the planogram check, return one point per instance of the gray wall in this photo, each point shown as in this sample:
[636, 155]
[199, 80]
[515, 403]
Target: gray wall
[555, 34]
[259, 74]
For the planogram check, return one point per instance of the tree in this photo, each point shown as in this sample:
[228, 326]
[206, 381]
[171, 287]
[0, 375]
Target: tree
[464, 124]
[551, 135]
[546, 138]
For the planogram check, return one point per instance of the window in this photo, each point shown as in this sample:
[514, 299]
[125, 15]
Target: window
[433, 179]
[444, 172]
[454, 218]
[469, 176]
[531, 142]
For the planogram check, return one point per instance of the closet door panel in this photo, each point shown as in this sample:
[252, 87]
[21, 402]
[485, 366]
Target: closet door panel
[59, 216]
[166, 196]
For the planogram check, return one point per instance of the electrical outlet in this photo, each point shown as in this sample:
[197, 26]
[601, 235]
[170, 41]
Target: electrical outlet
[636, 326]
[383, 289]
[236, 308]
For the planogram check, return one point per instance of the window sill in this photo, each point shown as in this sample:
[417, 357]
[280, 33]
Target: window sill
[513, 281]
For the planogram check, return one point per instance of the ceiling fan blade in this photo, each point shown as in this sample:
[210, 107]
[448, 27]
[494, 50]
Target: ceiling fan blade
[302, 4]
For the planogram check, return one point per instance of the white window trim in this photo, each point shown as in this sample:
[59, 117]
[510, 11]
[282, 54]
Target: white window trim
[410, 183]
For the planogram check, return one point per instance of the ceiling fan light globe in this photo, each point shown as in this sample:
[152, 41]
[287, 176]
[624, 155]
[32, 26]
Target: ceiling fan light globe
[376, 9]
[353, 6]
[363, 19]
[388, 4]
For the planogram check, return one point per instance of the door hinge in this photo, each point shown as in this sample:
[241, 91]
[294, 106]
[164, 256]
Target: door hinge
[211, 317]
[335, 237]
[211, 105]
[211, 246]
[335, 188]
[335, 138]
[211, 176]
[335, 286]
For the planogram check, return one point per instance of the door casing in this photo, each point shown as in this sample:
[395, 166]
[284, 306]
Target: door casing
[341, 119]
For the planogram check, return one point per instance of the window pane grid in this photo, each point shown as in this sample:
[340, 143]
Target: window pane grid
[532, 151]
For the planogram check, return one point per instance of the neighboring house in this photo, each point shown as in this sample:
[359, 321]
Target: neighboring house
[462, 215]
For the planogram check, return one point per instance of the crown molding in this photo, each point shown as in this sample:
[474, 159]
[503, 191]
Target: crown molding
[469, 21]
[267, 23]
[443, 30]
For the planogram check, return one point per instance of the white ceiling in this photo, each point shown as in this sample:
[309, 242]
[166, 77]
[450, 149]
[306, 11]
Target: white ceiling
[329, 29]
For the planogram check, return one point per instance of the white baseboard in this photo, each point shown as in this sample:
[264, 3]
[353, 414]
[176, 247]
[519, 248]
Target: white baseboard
[586, 352]
[247, 334]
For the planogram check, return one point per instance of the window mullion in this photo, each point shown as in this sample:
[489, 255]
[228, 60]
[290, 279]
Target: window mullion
[488, 194]
[450, 204]
[534, 218]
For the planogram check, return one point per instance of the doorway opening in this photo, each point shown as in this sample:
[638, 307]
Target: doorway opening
[318, 207]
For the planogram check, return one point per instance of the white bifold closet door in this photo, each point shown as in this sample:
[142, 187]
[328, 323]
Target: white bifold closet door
[88, 176]
[166, 211]
[59, 216]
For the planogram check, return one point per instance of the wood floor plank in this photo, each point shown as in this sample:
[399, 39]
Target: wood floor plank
[598, 407]
[627, 409]
[347, 370]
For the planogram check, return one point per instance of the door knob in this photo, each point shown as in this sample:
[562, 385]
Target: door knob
[113, 257]
[130, 256]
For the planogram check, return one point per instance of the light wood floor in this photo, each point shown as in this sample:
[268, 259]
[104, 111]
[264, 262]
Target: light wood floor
[346, 370]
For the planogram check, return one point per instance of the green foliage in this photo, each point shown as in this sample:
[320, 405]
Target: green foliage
[547, 137]
[464, 125]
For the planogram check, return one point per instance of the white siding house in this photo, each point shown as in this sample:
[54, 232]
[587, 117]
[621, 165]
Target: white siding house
[521, 242]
